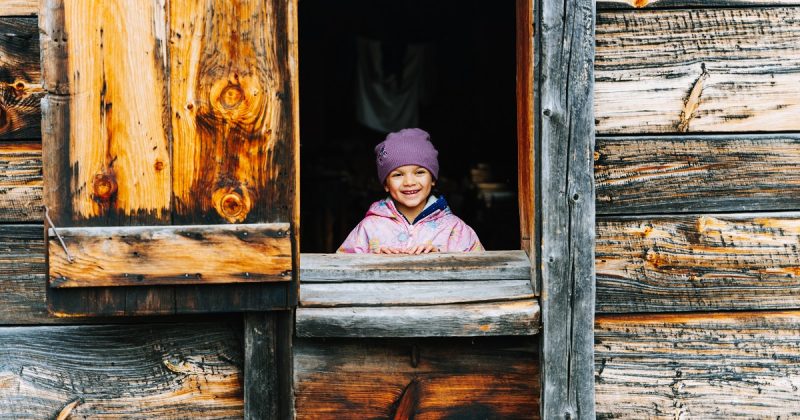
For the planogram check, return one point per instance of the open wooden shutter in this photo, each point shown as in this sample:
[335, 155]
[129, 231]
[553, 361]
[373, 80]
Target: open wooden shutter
[170, 143]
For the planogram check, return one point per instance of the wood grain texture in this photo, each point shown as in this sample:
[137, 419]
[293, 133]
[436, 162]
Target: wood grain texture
[519, 317]
[19, 7]
[693, 173]
[677, 4]
[233, 92]
[741, 63]
[20, 182]
[148, 371]
[698, 262]
[22, 275]
[495, 265]
[20, 78]
[261, 395]
[453, 378]
[722, 365]
[117, 142]
[412, 293]
[526, 167]
[567, 210]
[153, 255]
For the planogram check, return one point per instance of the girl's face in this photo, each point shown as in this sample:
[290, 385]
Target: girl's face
[409, 186]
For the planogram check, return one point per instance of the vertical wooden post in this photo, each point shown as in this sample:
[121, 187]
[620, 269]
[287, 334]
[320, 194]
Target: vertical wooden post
[525, 132]
[566, 121]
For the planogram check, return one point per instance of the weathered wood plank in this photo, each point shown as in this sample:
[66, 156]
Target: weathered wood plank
[160, 255]
[499, 265]
[261, 396]
[117, 142]
[526, 158]
[20, 78]
[412, 293]
[19, 7]
[148, 371]
[698, 70]
[233, 90]
[722, 365]
[20, 182]
[483, 319]
[453, 378]
[698, 262]
[692, 174]
[22, 275]
[676, 4]
[567, 210]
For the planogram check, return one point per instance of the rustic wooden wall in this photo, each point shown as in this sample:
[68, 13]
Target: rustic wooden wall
[696, 172]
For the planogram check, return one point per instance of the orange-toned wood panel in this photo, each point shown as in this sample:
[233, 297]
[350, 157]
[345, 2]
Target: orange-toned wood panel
[420, 379]
[19, 7]
[700, 365]
[233, 93]
[147, 255]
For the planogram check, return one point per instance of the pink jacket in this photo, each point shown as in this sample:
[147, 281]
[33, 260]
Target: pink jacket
[385, 226]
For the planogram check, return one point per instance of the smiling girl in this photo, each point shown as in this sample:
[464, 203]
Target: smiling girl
[411, 220]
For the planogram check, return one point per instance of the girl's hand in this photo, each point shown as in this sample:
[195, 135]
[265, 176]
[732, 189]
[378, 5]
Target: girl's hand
[389, 250]
[422, 249]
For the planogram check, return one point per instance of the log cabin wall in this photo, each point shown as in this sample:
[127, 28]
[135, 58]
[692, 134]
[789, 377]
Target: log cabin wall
[697, 107]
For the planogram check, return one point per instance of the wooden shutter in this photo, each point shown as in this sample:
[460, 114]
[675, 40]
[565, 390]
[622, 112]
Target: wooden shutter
[170, 140]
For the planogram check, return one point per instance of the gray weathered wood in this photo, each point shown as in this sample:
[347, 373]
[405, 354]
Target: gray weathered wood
[482, 319]
[412, 293]
[20, 182]
[261, 397]
[698, 70]
[121, 371]
[499, 265]
[678, 4]
[161, 255]
[704, 366]
[566, 124]
[467, 378]
[697, 173]
[698, 262]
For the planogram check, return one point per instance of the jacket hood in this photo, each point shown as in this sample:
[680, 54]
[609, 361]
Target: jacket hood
[386, 208]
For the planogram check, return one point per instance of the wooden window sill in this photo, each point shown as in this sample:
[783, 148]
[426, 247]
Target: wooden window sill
[432, 295]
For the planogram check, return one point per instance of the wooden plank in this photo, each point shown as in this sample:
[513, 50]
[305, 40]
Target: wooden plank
[482, 319]
[526, 167]
[19, 7]
[233, 90]
[499, 265]
[153, 255]
[697, 173]
[698, 70]
[698, 262]
[22, 275]
[132, 371]
[261, 396]
[452, 378]
[20, 182]
[721, 365]
[119, 171]
[567, 211]
[412, 293]
[677, 4]
[20, 78]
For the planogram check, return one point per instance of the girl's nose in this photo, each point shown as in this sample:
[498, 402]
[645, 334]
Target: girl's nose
[408, 180]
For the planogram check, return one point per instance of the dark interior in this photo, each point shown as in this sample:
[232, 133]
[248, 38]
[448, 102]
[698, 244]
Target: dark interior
[452, 64]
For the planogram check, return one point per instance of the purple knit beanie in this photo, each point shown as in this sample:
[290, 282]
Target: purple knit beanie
[409, 146]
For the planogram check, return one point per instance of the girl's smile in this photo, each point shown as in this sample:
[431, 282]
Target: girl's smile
[409, 186]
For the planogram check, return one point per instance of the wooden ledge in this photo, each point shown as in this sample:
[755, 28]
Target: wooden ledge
[434, 295]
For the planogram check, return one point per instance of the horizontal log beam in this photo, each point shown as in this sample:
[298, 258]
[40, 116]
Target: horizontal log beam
[21, 182]
[423, 378]
[679, 4]
[19, 7]
[483, 319]
[164, 255]
[697, 173]
[412, 293]
[497, 265]
[698, 262]
[722, 365]
[697, 70]
[141, 371]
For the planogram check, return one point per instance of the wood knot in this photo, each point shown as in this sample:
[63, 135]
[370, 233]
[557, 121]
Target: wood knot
[231, 97]
[232, 205]
[159, 165]
[104, 187]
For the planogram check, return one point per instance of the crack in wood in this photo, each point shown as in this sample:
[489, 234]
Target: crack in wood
[67, 410]
[692, 102]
